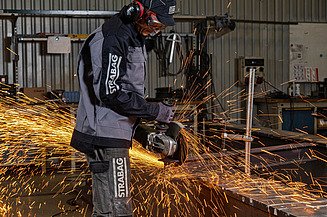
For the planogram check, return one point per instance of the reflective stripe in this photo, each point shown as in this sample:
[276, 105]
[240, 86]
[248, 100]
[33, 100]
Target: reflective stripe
[108, 75]
[126, 183]
[118, 73]
[115, 177]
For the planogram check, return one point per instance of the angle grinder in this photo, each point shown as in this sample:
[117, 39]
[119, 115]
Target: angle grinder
[164, 139]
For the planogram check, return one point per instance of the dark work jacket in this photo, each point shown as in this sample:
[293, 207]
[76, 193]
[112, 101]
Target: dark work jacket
[111, 70]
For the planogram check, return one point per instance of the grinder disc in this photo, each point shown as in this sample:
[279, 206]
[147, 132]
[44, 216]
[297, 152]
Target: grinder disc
[174, 131]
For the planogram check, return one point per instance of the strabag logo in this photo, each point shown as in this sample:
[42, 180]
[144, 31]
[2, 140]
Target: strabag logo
[112, 74]
[171, 9]
[120, 177]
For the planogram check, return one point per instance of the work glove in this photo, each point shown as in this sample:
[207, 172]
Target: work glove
[166, 113]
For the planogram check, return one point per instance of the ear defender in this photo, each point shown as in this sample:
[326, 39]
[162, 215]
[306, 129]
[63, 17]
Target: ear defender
[132, 12]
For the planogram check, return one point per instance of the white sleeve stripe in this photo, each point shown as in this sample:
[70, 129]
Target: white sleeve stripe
[118, 73]
[108, 75]
[115, 177]
[126, 183]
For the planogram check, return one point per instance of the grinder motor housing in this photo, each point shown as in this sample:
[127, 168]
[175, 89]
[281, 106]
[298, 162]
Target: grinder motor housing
[164, 139]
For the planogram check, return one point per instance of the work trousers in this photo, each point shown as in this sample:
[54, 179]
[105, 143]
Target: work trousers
[110, 169]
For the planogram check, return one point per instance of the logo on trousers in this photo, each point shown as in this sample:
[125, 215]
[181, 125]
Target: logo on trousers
[120, 177]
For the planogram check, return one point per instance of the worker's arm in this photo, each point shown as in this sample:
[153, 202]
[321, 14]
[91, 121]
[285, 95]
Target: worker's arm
[113, 95]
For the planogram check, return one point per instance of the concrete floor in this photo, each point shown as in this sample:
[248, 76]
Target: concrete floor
[47, 205]
[49, 200]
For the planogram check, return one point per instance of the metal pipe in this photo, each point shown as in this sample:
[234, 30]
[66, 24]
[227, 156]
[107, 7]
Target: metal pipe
[173, 37]
[14, 47]
[237, 137]
[105, 14]
[59, 13]
[81, 13]
[172, 49]
[249, 115]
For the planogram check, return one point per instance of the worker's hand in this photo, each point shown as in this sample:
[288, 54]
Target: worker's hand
[166, 113]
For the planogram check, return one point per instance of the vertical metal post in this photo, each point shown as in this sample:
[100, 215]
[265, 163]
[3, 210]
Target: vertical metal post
[14, 47]
[210, 91]
[196, 122]
[249, 115]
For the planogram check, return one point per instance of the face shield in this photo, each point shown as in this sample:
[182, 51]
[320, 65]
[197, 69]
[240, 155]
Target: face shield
[154, 23]
[150, 25]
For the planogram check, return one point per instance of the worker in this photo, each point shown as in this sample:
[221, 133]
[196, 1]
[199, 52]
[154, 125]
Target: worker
[111, 70]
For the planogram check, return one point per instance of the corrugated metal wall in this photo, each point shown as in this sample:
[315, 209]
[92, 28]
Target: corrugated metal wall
[269, 41]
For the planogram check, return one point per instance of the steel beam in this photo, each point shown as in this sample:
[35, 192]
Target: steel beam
[60, 13]
[105, 14]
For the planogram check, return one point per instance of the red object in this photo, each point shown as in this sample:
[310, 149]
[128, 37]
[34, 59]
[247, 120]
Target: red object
[317, 70]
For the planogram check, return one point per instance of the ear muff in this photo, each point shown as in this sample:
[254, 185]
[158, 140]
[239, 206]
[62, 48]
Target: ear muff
[132, 12]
